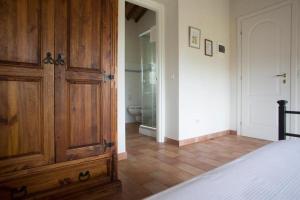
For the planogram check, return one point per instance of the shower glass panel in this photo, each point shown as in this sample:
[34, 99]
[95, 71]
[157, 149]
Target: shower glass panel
[148, 68]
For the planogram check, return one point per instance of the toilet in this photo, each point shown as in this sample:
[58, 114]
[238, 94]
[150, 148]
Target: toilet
[136, 112]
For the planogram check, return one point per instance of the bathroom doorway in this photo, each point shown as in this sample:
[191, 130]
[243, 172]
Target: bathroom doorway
[140, 71]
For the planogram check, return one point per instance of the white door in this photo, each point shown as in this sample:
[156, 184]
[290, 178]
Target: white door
[266, 61]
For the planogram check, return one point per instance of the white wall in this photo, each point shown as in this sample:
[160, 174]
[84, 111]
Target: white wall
[297, 64]
[204, 82]
[171, 69]
[132, 62]
[240, 8]
[200, 91]
[121, 78]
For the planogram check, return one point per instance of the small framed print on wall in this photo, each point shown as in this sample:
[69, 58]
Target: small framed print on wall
[194, 37]
[208, 47]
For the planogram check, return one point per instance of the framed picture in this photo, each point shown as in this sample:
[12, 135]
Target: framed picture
[194, 37]
[208, 47]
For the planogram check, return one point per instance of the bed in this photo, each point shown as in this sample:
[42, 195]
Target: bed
[269, 173]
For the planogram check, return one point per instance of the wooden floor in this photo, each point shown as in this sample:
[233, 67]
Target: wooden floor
[152, 167]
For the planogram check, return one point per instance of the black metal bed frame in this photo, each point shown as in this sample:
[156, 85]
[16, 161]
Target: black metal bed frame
[282, 120]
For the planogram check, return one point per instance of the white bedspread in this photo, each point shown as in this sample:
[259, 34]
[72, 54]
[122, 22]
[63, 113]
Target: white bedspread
[270, 173]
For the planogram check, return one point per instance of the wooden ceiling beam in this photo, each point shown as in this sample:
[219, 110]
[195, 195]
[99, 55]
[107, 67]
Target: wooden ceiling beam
[142, 13]
[128, 6]
[131, 12]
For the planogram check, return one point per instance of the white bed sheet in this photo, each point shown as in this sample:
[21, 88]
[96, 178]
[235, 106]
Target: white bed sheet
[269, 173]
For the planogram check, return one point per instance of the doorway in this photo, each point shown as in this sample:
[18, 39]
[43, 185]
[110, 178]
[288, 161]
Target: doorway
[265, 58]
[140, 70]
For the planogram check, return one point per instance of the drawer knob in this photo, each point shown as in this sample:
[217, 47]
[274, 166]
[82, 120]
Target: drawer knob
[84, 176]
[20, 192]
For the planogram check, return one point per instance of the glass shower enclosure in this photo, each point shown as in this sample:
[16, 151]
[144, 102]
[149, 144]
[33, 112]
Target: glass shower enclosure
[148, 79]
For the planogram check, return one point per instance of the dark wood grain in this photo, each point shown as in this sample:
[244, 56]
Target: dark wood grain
[84, 35]
[84, 107]
[55, 119]
[20, 25]
[85, 31]
[107, 68]
[26, 84]
[20, 121]
[62, 180]
[60, 177]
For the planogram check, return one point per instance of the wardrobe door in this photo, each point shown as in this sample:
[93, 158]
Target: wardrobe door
[85, 116]
[26, 84]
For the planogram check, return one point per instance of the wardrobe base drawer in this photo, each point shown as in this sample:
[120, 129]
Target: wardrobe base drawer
[58, 176]
[94, 189]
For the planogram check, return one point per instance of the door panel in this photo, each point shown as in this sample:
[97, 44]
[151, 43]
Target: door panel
[22, 131]
[85, 34]
[266, 44]
[108, 57]
[26, 84]
[20, 31]
[83, 95]
[84, 106]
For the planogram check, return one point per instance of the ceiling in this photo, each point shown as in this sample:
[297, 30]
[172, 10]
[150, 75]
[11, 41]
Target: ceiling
[134, 12]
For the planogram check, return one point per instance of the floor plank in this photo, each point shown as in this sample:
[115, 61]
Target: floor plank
[153, 167]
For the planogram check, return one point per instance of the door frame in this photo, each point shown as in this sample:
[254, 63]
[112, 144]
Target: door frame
[294, 60]
[160, 52]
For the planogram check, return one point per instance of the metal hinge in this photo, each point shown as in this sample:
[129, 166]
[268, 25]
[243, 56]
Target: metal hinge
[108, 77]
[108, 145]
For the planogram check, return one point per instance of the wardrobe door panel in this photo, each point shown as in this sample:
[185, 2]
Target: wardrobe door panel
[20, 31]
[26, 84]
[21, 131]
[84, 107]
[85, 34]
[84, 101]
[108, 63]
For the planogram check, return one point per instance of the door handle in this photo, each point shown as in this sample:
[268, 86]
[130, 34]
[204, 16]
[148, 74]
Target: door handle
[60, 59]
[48, 59]
[281, 75]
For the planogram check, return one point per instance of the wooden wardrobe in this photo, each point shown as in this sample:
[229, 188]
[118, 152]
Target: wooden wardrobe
[57, 98]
